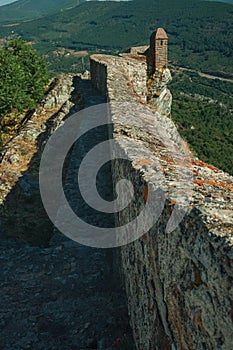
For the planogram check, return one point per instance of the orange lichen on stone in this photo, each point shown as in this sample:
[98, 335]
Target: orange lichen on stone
[145, 194]
[168, 160]
[197, 162]
[211, 167]
[225, 185]
[172, 203]
[199, 182]
[144, 161]
[130, 84]
[202, 164]
[219, 184]
[197, 280]
[184, 164]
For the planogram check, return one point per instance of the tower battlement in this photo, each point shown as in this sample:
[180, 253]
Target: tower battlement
[157, 53]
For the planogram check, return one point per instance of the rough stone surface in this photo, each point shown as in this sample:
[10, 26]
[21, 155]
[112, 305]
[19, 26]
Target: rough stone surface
[61, 295]
[115, 75]
[157, 53]
[125, 79]
[19, 167]
[179, 284]
[59, 91]
[158, 93]
[58, 298]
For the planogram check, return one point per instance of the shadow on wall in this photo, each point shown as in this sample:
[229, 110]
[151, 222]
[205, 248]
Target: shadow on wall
[22, 213]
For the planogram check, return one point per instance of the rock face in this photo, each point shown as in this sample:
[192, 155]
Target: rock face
[158, 93]
[59, 91]
[178, 282]
[20, 166]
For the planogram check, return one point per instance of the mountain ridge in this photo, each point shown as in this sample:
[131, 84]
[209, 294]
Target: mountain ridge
[31, 9]
[199, 32]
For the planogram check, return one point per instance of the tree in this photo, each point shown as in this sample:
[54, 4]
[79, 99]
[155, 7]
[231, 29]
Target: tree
[23, 77]
[34, 66]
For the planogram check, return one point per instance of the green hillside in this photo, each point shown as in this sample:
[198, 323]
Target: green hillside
[228, 1]
[203, 110]
[31, 9]
[200, 38]
[200, 32]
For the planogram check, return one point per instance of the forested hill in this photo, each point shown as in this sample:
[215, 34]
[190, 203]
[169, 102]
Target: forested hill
[31, 9]
[200, 32]
[200, 38]
[230, 1]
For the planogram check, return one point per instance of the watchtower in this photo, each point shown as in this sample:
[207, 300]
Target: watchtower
[157, 55]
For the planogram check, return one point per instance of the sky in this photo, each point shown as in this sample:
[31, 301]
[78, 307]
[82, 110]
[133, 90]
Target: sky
[4, 2]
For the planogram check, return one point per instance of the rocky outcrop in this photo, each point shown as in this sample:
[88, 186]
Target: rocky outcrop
[59, 91]
[19, 166]
[158, 93]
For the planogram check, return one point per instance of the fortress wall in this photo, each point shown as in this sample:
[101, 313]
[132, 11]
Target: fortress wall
[99, 76]
[178, 284]
[161, 54]
[126, 74]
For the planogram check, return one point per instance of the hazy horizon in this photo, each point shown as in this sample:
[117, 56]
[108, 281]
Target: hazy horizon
[5, 2]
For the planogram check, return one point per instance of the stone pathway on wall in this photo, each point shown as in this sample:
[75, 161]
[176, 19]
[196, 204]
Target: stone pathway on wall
[65, 296]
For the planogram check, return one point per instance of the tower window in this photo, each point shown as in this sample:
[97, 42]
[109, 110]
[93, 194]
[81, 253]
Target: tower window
[161, 42]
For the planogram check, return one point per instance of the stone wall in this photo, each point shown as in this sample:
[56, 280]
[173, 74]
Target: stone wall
[157, 53]
[161, 53]
[112, 76]
[99, 76]
[22, 214]
[126, 74]
[179, 284]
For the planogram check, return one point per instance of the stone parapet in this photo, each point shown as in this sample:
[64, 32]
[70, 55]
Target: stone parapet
[178, 282]
[120, 78]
